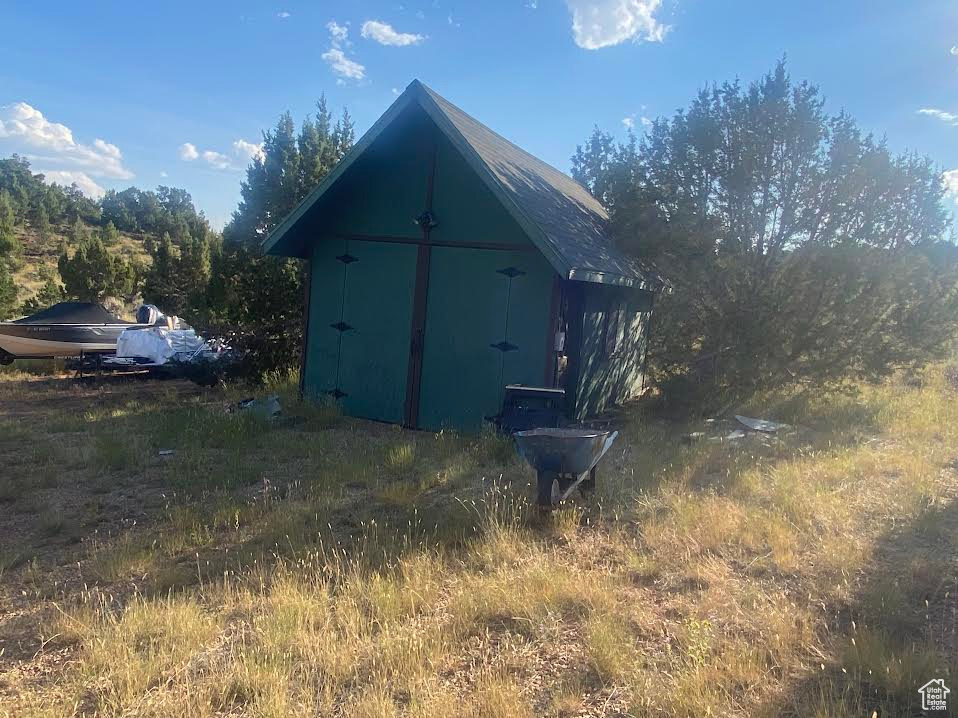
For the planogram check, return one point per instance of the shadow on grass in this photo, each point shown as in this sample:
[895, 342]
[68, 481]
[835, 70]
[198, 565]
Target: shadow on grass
[895, 634]
[242, 490]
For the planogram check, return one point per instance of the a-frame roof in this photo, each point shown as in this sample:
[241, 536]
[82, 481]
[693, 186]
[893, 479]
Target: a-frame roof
[565, 222]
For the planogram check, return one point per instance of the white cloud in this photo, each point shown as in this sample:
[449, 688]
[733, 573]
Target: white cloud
[338, 34]
[951, 183]
[950, 117]
[452, 22]
[80, 179]
[602, 23]
[24, 128]
[240, 155]
[188, 152]
[282, 14]
[953, 50]
[342, 65]
[217, 160]
[163, 174]
[396, 91]
[629, 121]
[386, 34]
[249, 150]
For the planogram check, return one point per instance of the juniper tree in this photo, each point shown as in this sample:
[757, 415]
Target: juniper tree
[263, 296]
[799, 247]
[93, 273]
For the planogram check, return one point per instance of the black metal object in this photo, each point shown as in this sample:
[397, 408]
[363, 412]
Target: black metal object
[529, 407]
[427, 220]
[510, 272]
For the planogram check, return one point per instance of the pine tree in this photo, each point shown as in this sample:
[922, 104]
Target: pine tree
[108, 234]
[160, 285]
[344, 135]
[178, 278]
[79, 232]
[8, 293]
[9, 245]
[43, 223]
[93, 273]
[263, 296]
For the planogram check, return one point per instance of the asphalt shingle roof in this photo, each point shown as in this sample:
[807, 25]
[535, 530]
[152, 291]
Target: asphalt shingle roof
[574, 222]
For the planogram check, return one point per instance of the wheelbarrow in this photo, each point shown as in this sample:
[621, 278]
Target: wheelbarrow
[564, 459]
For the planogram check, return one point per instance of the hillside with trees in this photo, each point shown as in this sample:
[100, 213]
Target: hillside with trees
[56, 243]
[154, 246]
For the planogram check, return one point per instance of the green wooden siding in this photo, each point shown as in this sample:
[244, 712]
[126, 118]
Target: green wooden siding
[604, 380]
[368, 298]
[466, 209]
[325, 309]
[385, 190]
[472, 306]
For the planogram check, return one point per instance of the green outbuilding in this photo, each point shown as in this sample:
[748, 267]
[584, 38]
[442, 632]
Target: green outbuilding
[446, 263]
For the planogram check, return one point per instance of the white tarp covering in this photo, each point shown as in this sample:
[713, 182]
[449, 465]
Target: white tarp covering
[159, 344]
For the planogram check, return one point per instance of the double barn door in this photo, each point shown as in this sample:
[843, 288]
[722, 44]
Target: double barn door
[422, 334]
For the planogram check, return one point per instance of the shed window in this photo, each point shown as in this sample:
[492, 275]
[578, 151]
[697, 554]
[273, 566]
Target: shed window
[614, 327]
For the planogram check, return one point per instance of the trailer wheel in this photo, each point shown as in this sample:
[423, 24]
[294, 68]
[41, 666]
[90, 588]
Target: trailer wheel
[6, 359]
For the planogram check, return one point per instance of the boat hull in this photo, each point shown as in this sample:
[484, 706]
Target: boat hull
[37, 341]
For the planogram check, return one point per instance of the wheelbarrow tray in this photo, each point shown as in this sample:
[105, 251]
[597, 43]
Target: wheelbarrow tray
[561, 451]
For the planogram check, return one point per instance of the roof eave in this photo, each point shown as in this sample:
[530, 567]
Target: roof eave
[578, 274]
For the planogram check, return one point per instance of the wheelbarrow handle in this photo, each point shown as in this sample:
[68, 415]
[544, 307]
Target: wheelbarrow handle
[608, 445]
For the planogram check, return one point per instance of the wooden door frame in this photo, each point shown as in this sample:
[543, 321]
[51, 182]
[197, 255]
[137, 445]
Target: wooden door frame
[417, 329]
[307, 311]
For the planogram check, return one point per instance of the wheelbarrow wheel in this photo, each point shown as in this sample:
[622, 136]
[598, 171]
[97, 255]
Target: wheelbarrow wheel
[547, 490]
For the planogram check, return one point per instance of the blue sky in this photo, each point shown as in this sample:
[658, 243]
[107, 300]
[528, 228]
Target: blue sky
[114, 94]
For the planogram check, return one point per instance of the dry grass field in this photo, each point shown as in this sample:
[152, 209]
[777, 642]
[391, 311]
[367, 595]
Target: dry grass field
[324, 566]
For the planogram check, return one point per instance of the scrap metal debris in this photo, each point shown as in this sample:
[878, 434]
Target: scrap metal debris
[744, 429]
[268, 408]
[763, 425]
